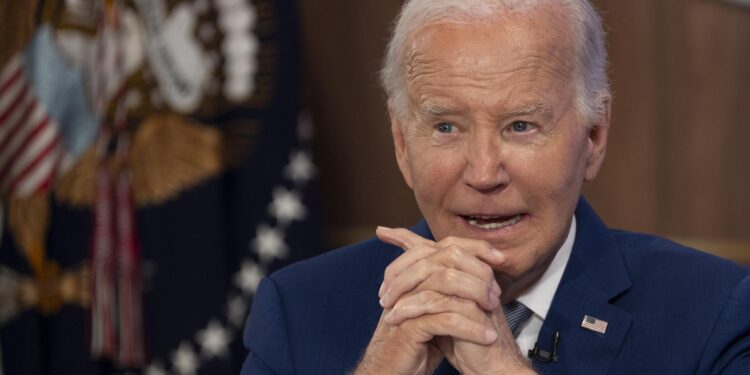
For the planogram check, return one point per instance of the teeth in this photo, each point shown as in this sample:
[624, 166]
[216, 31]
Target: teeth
[474, 221]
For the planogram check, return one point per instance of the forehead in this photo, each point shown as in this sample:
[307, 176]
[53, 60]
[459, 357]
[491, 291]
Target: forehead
[531, 48]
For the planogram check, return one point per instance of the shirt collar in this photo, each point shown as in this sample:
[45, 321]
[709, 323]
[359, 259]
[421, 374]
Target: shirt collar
[539, 297]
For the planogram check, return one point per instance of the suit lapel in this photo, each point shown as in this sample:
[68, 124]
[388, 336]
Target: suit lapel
[595, 274]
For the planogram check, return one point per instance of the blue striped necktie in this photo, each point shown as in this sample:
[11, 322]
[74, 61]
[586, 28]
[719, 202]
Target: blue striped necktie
[516, 314]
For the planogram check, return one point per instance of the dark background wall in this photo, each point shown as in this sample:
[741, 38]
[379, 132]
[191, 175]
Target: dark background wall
[678, 162]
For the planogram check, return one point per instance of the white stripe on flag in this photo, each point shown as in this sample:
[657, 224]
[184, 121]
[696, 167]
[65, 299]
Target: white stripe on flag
[10, 94]
[41, 140]
[20, 113]
[17, 138]
[38, 175]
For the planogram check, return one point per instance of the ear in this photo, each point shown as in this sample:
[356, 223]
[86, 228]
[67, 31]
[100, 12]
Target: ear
[402, 157]
[597, 142]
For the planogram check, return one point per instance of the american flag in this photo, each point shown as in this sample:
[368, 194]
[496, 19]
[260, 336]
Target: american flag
[30, 142]
[594, 324]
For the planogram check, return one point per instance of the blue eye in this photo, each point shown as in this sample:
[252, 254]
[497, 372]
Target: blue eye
[445, 127]
[520, 126]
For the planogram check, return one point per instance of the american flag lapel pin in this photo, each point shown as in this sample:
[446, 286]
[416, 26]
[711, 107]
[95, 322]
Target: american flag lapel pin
[594, 324]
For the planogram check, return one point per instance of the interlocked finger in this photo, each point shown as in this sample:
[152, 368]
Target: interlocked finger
[480, 249]
[407, 260]
[431, 274]
[428, 303]
[451, 324]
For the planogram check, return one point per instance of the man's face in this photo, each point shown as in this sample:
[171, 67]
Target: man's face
[493, 147]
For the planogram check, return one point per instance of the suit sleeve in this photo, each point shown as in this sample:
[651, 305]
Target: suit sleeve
[728, 349]
[266, 334]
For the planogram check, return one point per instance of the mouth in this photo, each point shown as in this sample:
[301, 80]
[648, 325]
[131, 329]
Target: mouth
[492, 222]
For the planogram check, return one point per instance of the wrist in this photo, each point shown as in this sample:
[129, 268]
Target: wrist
[515, 365]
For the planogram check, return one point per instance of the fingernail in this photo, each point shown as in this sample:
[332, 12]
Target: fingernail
[383, 228]
[380, 291]
[384, 300]
[490, 335]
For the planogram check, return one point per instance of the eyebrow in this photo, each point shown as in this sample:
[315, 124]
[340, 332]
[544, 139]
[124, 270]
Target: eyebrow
[526, 110]
[532, 109]
[438, 110]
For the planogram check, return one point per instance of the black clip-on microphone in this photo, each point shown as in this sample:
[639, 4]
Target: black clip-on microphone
[544, 355]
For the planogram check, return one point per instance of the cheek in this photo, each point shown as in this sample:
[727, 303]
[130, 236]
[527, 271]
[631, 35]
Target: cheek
[433, 172]
[551, 174]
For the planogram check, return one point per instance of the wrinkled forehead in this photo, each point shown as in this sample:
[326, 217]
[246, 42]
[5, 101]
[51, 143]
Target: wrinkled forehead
[503, 43]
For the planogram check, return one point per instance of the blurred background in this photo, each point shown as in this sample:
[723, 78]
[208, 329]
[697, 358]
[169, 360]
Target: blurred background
[159, 157]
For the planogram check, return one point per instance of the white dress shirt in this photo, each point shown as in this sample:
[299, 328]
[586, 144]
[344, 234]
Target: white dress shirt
[539, 297]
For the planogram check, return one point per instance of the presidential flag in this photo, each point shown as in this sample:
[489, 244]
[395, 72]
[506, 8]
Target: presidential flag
[181, 175]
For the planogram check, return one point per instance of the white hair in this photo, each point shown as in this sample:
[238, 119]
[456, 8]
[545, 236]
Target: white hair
[592, 84]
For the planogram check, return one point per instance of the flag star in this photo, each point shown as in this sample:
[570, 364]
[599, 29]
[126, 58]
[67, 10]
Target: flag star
[269, 243]
[300, 168]
[237, 310]
[286, 206]
[155, 368]
[184, 360]
[214, 340]
[249, 277]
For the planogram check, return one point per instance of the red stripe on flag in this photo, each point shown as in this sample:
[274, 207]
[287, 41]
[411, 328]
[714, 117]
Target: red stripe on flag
[22, 120]
[19, 150]
[21, 95]
[7, 84]
[41, 156]
[47, 182]
[5, 154]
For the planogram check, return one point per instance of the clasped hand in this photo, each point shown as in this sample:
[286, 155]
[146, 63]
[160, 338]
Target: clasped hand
[441, 300]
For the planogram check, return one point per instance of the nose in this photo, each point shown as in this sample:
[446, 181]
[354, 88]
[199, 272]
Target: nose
[485, 164]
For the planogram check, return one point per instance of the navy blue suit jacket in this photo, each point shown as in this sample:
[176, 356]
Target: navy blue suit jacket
[670, 309]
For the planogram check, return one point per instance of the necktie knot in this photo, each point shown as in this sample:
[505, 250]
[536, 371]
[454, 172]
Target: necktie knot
[516, 314]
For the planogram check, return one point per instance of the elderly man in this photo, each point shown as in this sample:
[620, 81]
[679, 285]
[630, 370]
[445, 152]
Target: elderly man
[499, 113]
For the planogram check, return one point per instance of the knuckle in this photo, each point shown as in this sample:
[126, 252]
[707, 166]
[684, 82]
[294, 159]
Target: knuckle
[456, 253]
[423, 268]
[449, 241]
[454, 320]
[427, 249]
[426, 297]
[447, 276]
[422, 264]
